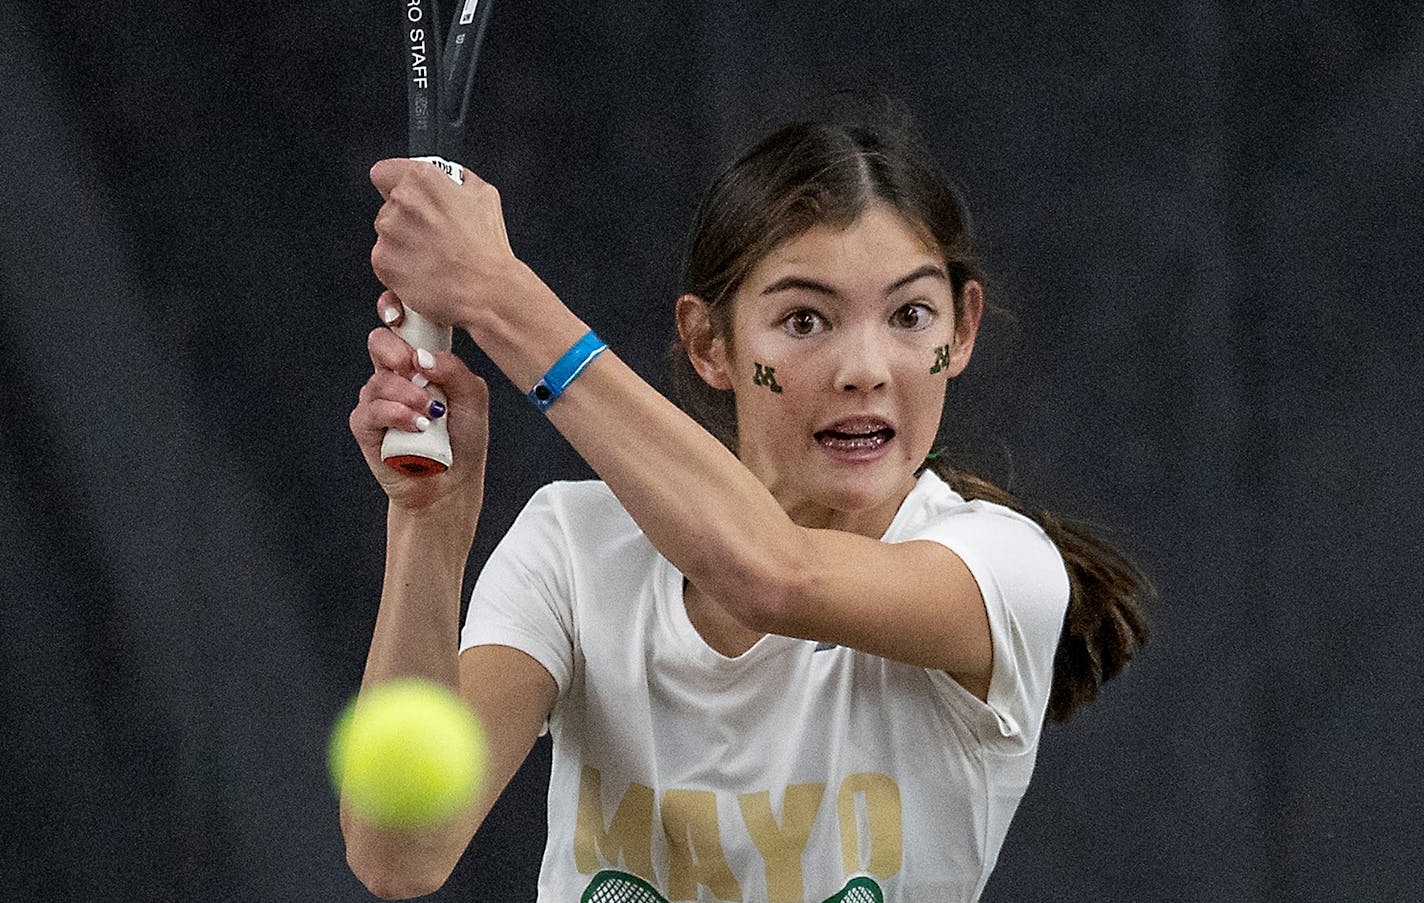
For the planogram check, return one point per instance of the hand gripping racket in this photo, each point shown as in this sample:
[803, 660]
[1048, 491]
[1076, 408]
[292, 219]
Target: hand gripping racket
[438, 85]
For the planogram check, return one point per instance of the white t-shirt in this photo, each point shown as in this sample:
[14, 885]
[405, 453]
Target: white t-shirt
[791, 770]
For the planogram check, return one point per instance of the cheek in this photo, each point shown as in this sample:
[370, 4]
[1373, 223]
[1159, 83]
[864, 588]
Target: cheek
[773, 389]
[924, 397]
[773, 369]
[764, 377]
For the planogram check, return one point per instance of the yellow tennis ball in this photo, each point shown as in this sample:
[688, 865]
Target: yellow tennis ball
[407, 754]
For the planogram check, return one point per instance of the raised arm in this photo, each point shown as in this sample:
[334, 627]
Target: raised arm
[430, 526]
[702, 508]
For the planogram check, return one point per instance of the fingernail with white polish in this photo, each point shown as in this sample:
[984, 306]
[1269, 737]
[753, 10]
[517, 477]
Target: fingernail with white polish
[420, 380]
[425, 358]
[390, 315]
[422, 423]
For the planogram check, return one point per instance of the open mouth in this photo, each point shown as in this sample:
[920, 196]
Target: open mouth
[855, 440]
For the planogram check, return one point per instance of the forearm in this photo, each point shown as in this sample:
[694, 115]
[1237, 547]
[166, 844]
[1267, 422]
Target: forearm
[416, 635]
[700, 506]
[417, 625]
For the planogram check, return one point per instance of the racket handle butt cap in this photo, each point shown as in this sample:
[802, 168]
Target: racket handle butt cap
[418, 454]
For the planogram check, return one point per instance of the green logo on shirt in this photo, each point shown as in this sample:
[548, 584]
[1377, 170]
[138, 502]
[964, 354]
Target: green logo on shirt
[612, 886]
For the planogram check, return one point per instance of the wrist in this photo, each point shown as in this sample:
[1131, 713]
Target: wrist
[506, 302]
[445, 529]
[527, 330]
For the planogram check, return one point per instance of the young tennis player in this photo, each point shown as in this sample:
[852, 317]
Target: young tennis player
[786, 651]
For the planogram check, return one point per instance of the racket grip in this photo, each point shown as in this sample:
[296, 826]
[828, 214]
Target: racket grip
[428, 453]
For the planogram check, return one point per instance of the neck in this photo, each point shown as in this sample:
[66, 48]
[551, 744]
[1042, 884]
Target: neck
[871, 521]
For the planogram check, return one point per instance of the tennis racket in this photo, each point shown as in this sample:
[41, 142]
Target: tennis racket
[611, 886]
[439, 81]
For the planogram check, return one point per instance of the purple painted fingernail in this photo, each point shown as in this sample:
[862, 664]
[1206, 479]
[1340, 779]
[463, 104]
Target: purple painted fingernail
[437, 410]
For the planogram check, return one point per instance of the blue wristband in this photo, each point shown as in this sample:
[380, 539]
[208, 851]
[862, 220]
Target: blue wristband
[565, 370]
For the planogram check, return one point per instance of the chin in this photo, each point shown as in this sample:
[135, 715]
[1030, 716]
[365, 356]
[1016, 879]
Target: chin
[866, 491]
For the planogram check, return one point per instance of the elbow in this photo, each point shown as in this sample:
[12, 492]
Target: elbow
[756, 611]
[390, 866]
[391, 884]
[769, 586]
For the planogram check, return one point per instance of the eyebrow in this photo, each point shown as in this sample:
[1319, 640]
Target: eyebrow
[820, 288]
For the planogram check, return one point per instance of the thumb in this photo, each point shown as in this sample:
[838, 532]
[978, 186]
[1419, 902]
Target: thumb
[452, 374]
[387, 174]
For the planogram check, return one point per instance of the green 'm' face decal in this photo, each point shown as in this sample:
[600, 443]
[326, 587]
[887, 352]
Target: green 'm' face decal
[941, 358]
[765, 376]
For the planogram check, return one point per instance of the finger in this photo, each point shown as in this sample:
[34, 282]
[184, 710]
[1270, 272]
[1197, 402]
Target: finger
[389, 351]
[446, 370]
[371, 419]
[390, 309]
[467, 393]
[388, 402]
[388, 386]
[469, 179]
[387, 174]
[364, 424]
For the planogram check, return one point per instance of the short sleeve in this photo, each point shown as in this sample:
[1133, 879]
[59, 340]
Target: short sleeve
[522, 597]
[1024, 582]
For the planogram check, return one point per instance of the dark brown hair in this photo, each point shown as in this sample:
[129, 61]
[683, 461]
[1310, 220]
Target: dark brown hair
[826, 169]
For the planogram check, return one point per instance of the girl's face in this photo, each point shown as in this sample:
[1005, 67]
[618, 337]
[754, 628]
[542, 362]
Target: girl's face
[842, 343]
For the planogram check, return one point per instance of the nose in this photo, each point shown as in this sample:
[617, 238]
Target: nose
[862, 365]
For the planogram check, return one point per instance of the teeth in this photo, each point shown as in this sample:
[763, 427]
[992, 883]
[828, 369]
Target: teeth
[858, 427]
[858, 434]
[849, 441]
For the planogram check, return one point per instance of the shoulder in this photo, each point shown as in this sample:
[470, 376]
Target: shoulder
[933, 506]
[1009, 553]
[574, 492]
[565, 499]
[565, 532]
[582, 513]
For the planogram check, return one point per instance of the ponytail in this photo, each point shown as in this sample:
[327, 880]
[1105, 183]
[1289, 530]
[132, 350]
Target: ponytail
[1106, 622]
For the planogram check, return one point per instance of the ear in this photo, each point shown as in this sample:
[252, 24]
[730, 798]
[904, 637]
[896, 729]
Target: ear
[966, 328]
[707, 352]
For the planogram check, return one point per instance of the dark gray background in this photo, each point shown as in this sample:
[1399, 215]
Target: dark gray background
[1204, 222]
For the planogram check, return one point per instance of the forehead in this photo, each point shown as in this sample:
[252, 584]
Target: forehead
[878, 247]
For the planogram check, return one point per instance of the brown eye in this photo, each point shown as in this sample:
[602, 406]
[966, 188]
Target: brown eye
[912, 316]
[803, 323]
